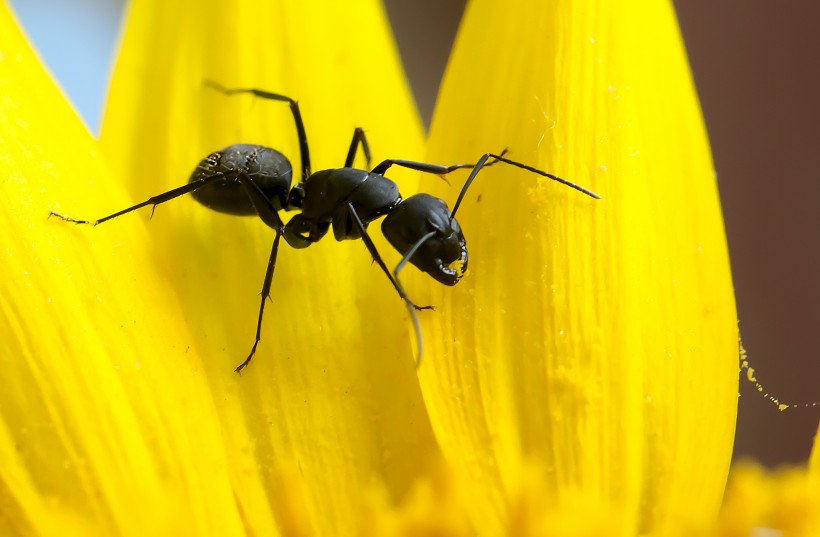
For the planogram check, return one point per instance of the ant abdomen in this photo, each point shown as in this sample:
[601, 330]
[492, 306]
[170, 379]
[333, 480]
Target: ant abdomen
[266, 168]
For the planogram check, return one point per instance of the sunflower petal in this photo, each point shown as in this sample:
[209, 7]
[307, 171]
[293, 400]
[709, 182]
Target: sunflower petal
[596, 340]
[85, 431]
[332, 390]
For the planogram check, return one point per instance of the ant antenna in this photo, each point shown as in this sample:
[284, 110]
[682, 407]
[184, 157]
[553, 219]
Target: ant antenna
[500, 158]
[410, 306]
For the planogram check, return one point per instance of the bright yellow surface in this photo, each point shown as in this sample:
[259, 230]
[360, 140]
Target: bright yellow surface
[580, 380]
[119, 341]
[332, 392]
[786, 500]
[90, 426]
[814, 461]
[593, 340]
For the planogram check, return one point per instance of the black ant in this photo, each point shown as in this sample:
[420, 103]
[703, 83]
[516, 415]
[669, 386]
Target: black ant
[247, 180]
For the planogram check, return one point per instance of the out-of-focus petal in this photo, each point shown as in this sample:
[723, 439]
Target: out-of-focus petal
[99, 433]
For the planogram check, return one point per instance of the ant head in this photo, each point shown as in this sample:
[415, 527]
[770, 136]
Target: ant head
[422, 224]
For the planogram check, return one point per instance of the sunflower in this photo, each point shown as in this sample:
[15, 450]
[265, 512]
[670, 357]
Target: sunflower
[580, 380]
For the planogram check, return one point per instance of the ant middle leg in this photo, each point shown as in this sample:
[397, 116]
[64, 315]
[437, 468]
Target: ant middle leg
[266, 285]
[267, 212]
[359, 138]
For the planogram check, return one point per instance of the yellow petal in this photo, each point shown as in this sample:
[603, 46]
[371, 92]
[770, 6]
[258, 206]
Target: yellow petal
[332, 390]
[596, 339]
[785, 501]
[92, 440]
[434, 507]
[814, 460]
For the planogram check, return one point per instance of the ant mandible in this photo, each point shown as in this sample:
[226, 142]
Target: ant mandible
[247, 180]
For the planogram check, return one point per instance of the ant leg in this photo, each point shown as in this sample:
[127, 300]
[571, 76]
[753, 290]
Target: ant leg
[265, 296]
[358, 138]
[294, 109]
[482, 163]
[154, 201]
[264, 207]
[267, 212]
[371, 247]
[411, 307]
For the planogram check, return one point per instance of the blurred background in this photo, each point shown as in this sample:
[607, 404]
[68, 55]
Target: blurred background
[755, 64]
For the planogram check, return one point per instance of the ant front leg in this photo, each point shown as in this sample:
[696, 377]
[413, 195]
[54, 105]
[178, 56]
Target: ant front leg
[411, 307]
[359, 138]
[371, 247]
